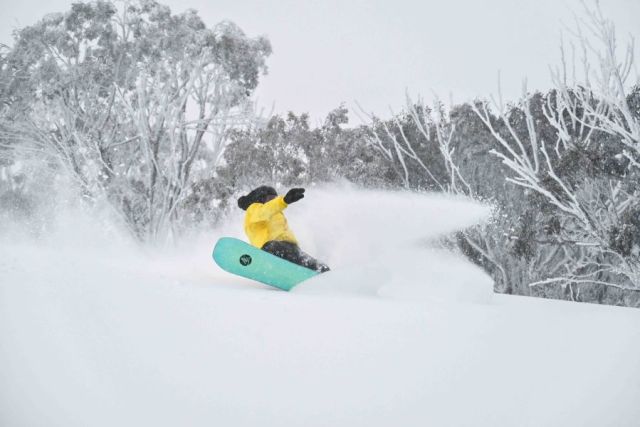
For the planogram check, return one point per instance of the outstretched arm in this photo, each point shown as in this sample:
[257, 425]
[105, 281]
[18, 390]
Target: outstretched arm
[264, 212]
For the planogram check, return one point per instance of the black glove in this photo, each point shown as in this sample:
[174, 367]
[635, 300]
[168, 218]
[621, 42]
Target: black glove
[294, 195]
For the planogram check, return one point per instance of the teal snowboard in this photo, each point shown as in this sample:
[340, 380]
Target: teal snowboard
[238, 257]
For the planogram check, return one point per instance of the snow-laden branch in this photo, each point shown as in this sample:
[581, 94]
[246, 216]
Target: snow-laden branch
[576, 112]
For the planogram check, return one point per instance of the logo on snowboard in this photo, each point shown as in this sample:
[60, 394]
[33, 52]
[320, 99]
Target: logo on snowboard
[245, 260]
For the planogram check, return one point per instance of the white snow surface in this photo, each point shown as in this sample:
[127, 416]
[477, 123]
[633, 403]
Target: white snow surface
[95, 331]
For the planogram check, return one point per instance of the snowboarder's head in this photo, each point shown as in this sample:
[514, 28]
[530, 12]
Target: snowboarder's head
[261, 194]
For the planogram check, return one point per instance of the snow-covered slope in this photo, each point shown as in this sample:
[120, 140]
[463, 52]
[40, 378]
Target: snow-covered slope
[97, 332]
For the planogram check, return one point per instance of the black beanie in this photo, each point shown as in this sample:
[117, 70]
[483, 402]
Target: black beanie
[256, 196]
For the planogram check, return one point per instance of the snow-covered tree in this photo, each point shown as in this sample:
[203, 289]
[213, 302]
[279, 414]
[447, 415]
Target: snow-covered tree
[560, 167]
[586, 171]
[131, 99]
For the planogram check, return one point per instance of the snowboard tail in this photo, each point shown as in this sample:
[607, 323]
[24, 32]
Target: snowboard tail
[240, 258]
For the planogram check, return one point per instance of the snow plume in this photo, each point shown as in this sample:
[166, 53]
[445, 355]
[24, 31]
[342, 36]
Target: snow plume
[381, 243]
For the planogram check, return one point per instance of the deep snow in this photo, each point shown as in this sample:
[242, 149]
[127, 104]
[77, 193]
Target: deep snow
[97, 332]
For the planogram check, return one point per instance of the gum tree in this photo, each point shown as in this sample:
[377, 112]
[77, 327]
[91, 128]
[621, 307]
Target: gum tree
[132, 101]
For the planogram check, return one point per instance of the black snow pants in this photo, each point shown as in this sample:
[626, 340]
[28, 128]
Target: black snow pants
[291, 252]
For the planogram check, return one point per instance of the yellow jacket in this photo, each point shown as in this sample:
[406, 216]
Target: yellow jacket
[265, 222]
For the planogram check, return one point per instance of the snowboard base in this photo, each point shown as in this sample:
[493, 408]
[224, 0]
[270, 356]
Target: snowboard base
[242, 259]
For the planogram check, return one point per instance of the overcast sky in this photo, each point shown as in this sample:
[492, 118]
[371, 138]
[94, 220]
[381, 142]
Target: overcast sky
[330, 51]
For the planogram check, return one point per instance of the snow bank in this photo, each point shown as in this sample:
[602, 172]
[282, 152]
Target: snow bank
[95, 331]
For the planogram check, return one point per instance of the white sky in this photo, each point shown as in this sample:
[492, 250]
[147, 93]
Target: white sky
[332, 51]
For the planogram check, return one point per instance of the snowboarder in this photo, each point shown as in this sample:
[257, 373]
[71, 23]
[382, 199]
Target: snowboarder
[267, 228]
